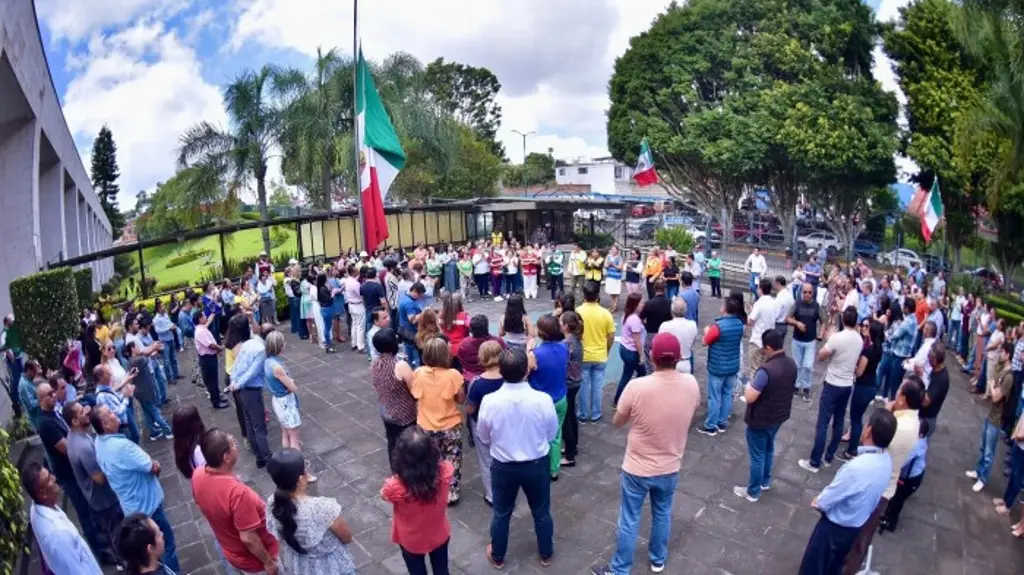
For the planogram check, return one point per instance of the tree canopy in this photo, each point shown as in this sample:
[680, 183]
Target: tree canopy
[104, 177]
[468, 94]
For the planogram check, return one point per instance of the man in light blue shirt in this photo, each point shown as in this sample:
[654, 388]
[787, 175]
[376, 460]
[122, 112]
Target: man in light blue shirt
[691, 296]
[132, 474]
[517, 423]
[247, 379]
[935, 315]
[868, 301]
[165, 327]
[850, 500]
[60, 543]
[146, 339]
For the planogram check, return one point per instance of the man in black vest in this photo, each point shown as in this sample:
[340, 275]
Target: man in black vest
[769, 400]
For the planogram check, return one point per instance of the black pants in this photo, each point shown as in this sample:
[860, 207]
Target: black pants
[392, 431]
[570, 425]
[904, 490]
[481, 283]
[211, 377]
[107, 522]
[253, 412]
[416, 563]
[827, 550]
[650, 289]
[556, 283]
[533, 477]
[716, 287]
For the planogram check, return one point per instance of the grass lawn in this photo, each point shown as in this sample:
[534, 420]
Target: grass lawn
[241, 245]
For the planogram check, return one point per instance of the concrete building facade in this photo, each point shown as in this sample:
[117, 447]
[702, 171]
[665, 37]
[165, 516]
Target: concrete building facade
[48, 209]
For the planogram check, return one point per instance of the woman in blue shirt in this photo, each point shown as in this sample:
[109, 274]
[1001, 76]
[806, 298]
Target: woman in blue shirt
[901, 347]
[549, 365]
[284, 400]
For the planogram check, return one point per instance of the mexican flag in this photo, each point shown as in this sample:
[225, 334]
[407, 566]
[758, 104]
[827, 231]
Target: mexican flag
[645, 174]
[931, 211]
[380, 155]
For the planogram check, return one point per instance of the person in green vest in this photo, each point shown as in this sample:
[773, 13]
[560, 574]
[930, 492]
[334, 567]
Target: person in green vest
[553, 265]
[715, 274]
[14, 357]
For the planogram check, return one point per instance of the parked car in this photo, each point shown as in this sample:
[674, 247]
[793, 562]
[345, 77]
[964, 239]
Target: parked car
[700, 238]
[818, 241]
[743, 232]
[991, 278]
[866, 249]
[901, 257]
[934, 264]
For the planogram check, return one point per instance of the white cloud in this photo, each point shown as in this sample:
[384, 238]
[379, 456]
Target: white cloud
[890, 9]
[145, 84]
[76, 19]
[886, 75]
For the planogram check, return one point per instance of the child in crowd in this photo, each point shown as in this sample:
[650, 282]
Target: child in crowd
[284, 400]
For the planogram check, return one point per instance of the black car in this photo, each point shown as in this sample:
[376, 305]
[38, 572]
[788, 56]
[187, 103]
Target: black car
[934, 264]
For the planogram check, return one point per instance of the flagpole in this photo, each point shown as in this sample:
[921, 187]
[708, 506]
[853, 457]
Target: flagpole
[355, 125]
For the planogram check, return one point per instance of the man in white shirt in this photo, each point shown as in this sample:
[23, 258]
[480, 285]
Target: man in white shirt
[61, 545]
[695, 269]
[761, 318]
[919, 364]
[956, 316]
[852, 296]
[517, 423]
[842, 351]
[756, 266]
[784, 304]
[685, 331]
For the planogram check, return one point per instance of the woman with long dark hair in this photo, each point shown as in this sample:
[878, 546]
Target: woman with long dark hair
[237, 334]
[515, 327]
[864, 386]
[631, 343]
[890, 321]
[188, 429]
[325, 298]
[418, 491]
[312, 530]
[93, 356]
[390, 377]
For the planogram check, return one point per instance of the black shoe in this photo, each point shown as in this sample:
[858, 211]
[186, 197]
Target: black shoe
[554, 478]
[222, 405]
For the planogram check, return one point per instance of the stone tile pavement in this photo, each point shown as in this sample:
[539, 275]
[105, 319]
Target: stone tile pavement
[946, 529]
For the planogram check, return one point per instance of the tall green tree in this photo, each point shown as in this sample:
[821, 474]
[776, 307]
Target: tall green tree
[239, 155]
[104, 177]
[470, 95]
[942, 83]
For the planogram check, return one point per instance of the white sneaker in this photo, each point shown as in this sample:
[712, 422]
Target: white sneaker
[655, 568]
[741, 491]
[972, 474]
[805, 464]
[978, 486]
[497, 298]
[879, 398]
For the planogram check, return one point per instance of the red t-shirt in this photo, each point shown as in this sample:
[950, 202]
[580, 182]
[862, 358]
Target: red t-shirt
[458, 332]
[496, 264]
[530, 264]
[231, 507]
[419, 527]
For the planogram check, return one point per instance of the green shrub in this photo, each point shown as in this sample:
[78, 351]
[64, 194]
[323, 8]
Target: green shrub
[13, 523]
[679, 238]
[278, 236]
[47, 304]
[598, 240]
[83, 286]
[250, 216]
[187, 257]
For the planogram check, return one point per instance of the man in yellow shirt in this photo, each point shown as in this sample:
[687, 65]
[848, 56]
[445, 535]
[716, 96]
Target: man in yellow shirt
[598, 337]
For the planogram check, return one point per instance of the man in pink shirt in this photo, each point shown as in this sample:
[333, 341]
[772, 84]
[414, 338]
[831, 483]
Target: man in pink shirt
[206, 351]
[660, 408]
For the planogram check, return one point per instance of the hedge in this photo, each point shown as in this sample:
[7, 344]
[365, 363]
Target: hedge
[1003, 303]
[13, 523]
[187, 257]
[46, 303]
[83, 286]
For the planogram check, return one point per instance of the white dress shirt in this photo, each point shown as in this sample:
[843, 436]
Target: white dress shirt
[685, 331]
[60, 542]
[756, 264]
[763, 316]
[920, 359]
[784, 302]
[517, 422]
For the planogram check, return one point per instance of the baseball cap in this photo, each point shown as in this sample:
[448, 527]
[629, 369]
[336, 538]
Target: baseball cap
[665, 346]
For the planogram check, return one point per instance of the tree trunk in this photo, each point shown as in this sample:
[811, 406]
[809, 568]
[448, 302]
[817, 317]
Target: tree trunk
[956, 260]
[726, 216]
[326, 201]
[261, 197]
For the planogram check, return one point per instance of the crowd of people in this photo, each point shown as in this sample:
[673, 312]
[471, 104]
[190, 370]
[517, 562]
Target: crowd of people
[443, 381]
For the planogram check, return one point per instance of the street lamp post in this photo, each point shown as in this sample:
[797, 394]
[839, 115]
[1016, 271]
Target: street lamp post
[524, 135]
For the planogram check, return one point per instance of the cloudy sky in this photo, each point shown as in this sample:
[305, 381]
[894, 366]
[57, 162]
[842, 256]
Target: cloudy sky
[150, 68]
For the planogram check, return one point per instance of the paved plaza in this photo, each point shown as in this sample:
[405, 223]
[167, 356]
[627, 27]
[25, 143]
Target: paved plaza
[945, 529]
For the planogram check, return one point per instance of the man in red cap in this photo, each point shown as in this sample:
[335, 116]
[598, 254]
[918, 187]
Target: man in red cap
[660, 408]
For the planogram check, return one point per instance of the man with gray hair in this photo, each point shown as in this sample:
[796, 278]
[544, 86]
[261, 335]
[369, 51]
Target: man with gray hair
[935, 315]
[685, 331]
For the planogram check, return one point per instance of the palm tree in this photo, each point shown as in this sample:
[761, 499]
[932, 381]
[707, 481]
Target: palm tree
[240, 154]
[317, 125]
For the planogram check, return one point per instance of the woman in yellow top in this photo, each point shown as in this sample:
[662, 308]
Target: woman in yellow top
[595, 266]
[438, 390]
[102, 329]
[652, 270]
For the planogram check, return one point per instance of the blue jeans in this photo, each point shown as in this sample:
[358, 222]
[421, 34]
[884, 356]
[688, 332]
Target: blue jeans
[754, 279]
[987, 451]
[671, 291]
[161, 382]
[719, 400]
[170, 548]
[328, 316]
[982, 376]
[533, 478]
[170, 357]
[154, 419]
[863, 395]
[132, 431]
[761, 449]
[882, 373]
[831, 408]
[412, 354]
[954, 333]
[589, 406]
[895, 377]
[630, 363]
[294, 313]
[803, 355]
[634, 489]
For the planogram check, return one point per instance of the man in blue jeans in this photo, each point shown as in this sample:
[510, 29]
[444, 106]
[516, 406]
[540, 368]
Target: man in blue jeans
[723, 339]
[842, 351]
[808, 320]
[769, 402]
[598, 338]
[660, 407]
[409, 311]
[990, 427]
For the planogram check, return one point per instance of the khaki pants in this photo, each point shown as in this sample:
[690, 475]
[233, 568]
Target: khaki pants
[755, 359]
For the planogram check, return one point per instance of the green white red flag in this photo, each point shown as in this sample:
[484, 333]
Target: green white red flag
[931, 211]
[645, 174]
[380, 155]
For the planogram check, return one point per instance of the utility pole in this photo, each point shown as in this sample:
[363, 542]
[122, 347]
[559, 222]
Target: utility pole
[524, 135]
